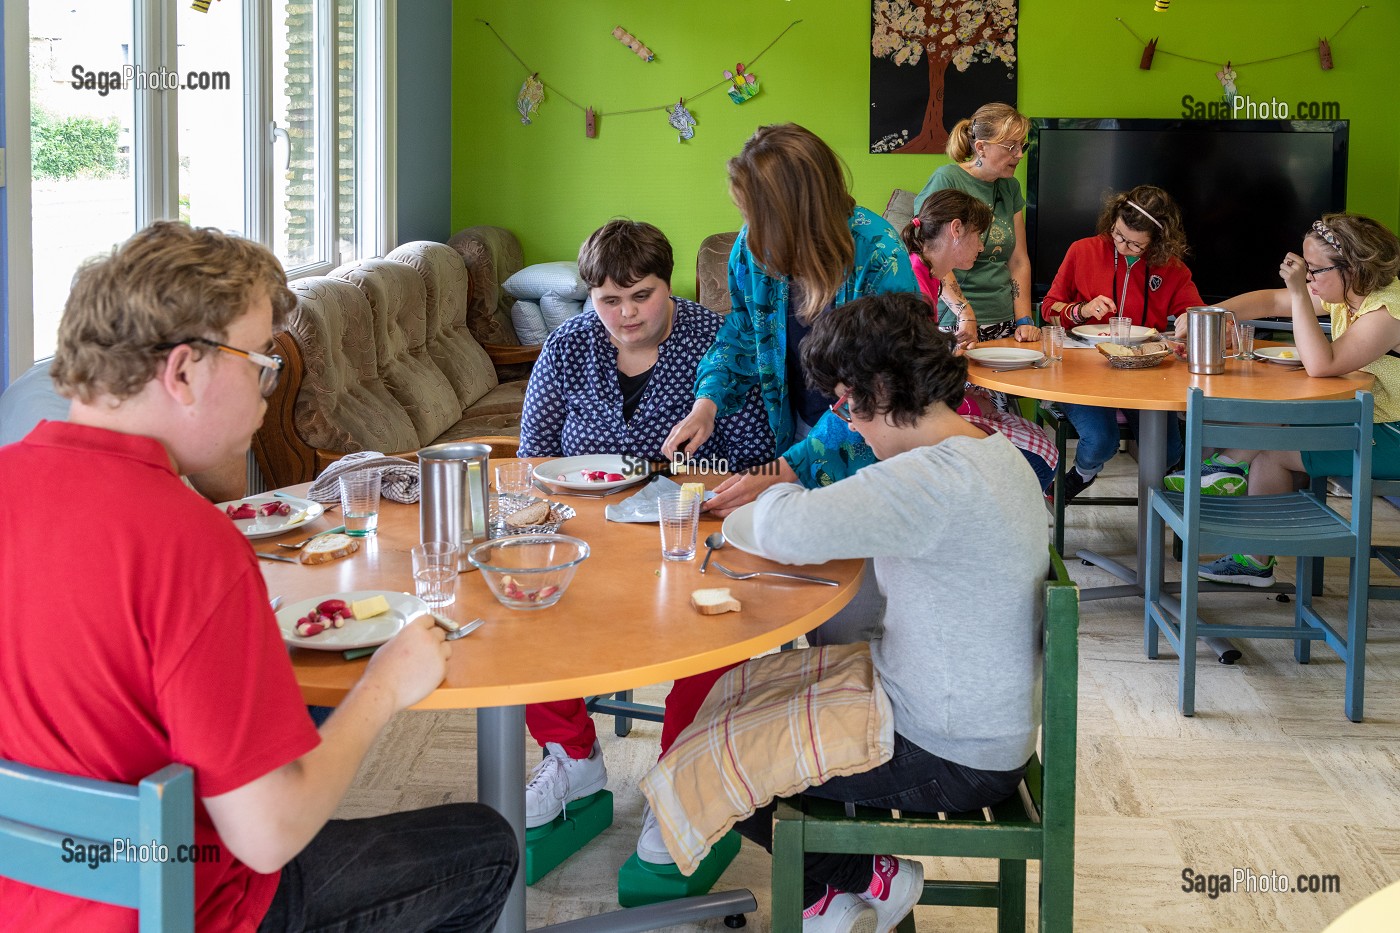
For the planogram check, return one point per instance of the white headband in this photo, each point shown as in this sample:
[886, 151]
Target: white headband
[1143, 211]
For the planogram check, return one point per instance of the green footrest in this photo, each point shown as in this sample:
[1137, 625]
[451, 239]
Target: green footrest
[640, 883]
[548, 845]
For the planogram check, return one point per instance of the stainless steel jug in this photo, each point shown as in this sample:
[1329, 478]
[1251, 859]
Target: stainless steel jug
[1205, 340]
[455, 506]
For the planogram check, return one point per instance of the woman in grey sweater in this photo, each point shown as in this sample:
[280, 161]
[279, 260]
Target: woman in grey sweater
[953, 519]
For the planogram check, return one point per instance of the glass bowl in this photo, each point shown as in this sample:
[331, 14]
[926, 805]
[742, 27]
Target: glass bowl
[529, 571]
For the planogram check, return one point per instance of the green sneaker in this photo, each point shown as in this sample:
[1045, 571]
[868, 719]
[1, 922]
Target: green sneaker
[1217, 479]
[1239, 568]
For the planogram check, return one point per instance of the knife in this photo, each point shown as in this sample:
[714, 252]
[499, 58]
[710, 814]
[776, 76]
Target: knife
[266, 556]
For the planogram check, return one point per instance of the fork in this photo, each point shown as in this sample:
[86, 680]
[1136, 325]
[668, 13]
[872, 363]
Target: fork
[298, 545]
[569, 492]
[773, 573]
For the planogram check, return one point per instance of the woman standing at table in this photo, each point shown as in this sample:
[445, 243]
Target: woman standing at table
[1347, 271]
[1132, 266]
[805, 248]
[993, 298]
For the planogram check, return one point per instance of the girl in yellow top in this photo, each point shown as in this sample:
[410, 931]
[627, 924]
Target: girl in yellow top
[1348, 272]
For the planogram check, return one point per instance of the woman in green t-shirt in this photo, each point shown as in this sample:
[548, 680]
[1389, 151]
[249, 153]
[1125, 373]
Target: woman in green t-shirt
[993, 298]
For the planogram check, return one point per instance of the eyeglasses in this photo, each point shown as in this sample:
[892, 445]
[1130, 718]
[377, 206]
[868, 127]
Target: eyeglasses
[1130, 245]
[1015, 150]
[841, 408]
[271, 365]
[1314, 273]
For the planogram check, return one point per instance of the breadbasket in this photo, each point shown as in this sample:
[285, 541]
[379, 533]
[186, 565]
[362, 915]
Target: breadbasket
[508, 505]
[1135, 357]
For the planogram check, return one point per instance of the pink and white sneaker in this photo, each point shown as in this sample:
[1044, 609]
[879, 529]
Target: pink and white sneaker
[839, 912]
[895, 887]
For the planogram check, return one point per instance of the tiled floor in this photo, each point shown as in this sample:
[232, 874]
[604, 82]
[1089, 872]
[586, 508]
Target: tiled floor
[1268, 776]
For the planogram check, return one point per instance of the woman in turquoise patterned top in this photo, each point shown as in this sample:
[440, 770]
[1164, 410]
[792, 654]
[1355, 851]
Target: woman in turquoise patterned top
[805, 248]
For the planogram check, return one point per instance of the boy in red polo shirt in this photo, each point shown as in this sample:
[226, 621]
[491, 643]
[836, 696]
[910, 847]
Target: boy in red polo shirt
[137, 629]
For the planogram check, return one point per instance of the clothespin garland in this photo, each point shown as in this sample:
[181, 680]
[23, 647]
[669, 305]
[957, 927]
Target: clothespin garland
[1227, 75]
[681, 120]
[1147, 52]
[745, 85]
[633, 43]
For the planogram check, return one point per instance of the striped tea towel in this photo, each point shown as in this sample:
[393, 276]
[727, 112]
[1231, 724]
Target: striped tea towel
[399, 479]
[770, 727]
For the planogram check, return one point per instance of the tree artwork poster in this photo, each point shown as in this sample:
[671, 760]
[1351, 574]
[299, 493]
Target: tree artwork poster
[933, 62]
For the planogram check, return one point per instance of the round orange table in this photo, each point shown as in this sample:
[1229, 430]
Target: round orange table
[1084, 377]
[624, 622]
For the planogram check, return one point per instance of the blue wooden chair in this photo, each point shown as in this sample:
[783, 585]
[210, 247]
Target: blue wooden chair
[40, 809]
[1387, 554]
[1296, 524]
[1037, 823]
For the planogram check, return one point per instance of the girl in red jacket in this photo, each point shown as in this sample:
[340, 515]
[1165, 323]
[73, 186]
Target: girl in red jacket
[1132, 266]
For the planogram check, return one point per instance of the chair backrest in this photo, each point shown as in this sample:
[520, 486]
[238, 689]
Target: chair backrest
[47, 819]
[1052, 787]
[1344, 424]
[712, 271]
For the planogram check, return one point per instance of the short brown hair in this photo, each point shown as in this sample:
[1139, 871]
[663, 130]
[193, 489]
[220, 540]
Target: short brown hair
[940, 209]
[625, 251]
[167, 283]
[995, 122]
[1367, 253]
[791, 188]
[1168, 240]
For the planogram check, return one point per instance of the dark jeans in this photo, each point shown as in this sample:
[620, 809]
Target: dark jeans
[913, 779]
[1098, 435]
[444, 868]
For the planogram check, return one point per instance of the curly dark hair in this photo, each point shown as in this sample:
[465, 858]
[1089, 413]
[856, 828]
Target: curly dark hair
[1168, 240]
[889, 354]
[1366, 252]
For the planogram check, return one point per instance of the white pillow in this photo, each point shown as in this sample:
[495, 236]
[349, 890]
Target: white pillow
[547, 278]
[529, 323]
[558, 310]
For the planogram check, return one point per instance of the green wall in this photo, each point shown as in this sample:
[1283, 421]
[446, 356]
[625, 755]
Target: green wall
[552, 186]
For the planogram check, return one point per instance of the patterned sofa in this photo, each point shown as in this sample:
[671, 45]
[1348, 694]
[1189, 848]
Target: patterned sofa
[380, 355]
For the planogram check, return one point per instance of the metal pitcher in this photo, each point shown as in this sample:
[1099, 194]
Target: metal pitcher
[1206, 342]
[455, 506]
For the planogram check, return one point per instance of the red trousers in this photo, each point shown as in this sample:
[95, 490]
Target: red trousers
[568, 723]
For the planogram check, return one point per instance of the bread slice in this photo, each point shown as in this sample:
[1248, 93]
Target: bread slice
[1113, 349]
[327, 548]
[536, 513]
[711, 602]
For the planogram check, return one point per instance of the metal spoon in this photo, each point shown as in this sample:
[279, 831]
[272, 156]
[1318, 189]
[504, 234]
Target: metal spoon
[712, 543]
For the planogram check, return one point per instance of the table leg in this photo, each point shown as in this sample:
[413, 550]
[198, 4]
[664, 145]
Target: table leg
[500, 778]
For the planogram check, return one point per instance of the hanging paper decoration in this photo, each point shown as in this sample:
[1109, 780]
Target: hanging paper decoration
[201, 6]
[745, 85]
[682, 121]
[1147, 52]
[1227, 81]
[531, 95]
[633, 43]
[1324, 54]
[1161, 6]
[590, 124]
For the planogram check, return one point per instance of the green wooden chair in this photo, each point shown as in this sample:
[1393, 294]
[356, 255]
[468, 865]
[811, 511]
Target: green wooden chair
[1037, 824]
[1295, 524]
[40, 809]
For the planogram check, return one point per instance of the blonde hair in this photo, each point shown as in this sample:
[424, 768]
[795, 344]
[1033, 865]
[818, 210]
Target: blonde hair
[1366, 251]
[168, 283]
[1168, 240]
[940, 209]
[994, 122]
[791, 188]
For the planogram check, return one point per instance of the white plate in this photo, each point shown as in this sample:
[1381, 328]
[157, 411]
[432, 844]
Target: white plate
[357, 633]
[738, 528]
[1098, 333]
[1004, 358]
[265, 526]
[1275, 355]
[571, 468]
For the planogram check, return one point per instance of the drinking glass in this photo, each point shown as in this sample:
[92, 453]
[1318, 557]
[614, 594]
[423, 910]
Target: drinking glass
[680, 522]
[513, 478]
[359, 502]
[435, 572]
[1052, 342]
[1120, 329]
[1246, 347]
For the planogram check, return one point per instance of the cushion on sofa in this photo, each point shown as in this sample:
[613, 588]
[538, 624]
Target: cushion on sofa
[712, 271]
[450, 342]
[528, 320]
[900, 209]
[557, 310]
[491, 255]
[547, 278]
[399, 300]
[342, 405]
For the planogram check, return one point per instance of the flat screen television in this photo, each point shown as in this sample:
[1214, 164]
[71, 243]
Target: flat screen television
[1247, 189]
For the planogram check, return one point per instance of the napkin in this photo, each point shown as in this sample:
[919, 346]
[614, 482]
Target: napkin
[398, 478]
[642, 505]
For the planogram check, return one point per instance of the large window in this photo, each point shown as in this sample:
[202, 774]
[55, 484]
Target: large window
[253, 116]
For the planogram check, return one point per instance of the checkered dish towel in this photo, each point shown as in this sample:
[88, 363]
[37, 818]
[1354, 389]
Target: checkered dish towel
[770, 727]
[398, 478]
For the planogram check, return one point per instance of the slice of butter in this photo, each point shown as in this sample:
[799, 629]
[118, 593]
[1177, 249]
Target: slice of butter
[366, 608]
[696, 490]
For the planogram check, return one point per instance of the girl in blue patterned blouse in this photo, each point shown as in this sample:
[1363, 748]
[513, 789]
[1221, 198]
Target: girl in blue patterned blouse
[806, 248]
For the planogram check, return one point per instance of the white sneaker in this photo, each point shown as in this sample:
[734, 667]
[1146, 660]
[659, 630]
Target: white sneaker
[899, 883]
[650, 847]
[559, 780]
[839, 912]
